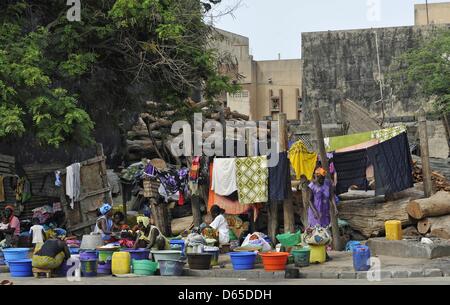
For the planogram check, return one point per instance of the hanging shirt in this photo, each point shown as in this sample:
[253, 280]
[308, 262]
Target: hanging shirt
[252, 179]
[224, 176]
[38, 236]
[73, 183]
[351, 170]
[302, 160]
[392, 165]
[320, 198]
[280, 178]
[220, 224]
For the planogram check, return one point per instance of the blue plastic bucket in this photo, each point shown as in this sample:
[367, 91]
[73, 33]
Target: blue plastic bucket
[89, 267]
[171, 267]
[14, 254]
[104, 267]
[20, 268]
[361, 256]
[74, 250]
[88, 254]
[178, 244]
[2, 258]
[243, 260]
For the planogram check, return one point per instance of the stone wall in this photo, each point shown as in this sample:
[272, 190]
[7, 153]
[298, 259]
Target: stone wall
[343, 64]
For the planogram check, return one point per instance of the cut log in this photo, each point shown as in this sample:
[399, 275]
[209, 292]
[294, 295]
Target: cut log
[439, 226]
[436, 205]
[141, 145]
[424, 226]
[368, 216]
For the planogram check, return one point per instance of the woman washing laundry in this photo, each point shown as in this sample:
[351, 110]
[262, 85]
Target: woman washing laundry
[220, 224]
[104, 224]
[149, 236]
[51, 255]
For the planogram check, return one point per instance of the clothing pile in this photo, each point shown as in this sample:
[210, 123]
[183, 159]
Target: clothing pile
[43, 213]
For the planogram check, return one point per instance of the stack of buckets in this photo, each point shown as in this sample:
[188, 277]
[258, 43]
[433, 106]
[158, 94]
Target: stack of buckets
[89, 263]
[105, 260]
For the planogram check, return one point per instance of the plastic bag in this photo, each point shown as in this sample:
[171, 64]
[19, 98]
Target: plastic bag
[257, 239]
[317, 235]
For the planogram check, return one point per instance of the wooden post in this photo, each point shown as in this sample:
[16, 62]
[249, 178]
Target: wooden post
[425, 154]
[288, 206]
[324, 160]
[272, 220]
[161, 216]
[196, 213]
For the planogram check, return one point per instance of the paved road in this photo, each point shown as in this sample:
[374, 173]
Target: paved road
[158, 280]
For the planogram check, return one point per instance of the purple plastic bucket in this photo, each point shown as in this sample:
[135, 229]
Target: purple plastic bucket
[138, 254]
[88, 255]
[104, 267]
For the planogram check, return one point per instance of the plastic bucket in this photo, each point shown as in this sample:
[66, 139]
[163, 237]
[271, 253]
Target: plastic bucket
[361, 256]
[274, 261]
[15, 254]
[171, 267]
[318, 254]
[199, 261]
[144, 267]
[2, 258]
[89, 267]
[88, 254]
[104, 267]
[74, 250]
[105, 254]
[243, 260]
[20, 268]
[178, 244]
[301, 257]
[138, 254]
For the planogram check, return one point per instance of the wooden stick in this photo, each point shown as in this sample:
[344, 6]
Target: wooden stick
[324, 160]
[425, 154]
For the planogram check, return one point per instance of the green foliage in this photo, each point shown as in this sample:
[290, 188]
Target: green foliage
[58, 77]
[428, 68]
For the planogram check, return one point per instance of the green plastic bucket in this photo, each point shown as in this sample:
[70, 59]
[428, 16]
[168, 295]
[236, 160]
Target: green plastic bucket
[301, 257]
[144, 267]
[290, 239]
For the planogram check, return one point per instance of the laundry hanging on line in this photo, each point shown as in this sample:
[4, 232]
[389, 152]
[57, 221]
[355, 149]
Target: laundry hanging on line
[351, 170]
[302, 160]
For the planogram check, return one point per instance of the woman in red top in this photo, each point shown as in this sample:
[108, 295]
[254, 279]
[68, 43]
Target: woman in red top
[14, 225]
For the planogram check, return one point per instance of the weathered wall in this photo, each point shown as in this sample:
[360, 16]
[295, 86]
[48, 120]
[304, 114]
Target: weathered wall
[343, 64]
[437, 13]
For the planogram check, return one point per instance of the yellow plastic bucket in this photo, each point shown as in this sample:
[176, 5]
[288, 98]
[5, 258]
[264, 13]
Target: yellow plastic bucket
[393, 230]
[318, 254]
[121, 262]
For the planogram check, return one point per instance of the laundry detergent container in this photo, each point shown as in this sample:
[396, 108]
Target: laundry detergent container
[361, 257]
[318, 254]
[121, 263]
[393, 230]
[243, 260]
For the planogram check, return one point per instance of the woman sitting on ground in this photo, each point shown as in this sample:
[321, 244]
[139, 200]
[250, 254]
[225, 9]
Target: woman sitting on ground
[220, 224]
[149, 236]
[51, 255]
[104, 224]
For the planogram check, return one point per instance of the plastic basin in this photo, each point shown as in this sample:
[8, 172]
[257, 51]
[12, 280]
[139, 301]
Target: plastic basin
[166, 255]
[243, 260]
[138, 254]
[15, 254]
[88, 254]
[144, 267]
[176, 244]
[199, 261]
[20, 268]
[105, 254]
[274, 261]
[171, 267]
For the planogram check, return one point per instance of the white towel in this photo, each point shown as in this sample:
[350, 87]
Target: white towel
[224, 176]
[73, 183]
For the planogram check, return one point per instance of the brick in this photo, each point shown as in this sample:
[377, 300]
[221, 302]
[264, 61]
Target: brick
[400, 274]
[292, 273]
[432, 273]
[265, 274]
[246, 274]
[279, 275]
[347, 275]
[310, 274]
[329, 275]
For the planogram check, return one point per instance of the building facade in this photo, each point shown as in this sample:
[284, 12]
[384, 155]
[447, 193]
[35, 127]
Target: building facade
[436, 13]
[268, 87]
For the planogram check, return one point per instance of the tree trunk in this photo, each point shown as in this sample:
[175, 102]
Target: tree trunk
[196, 213]
[273, 220]
[439, 226]
[161, 216]
[436, 205]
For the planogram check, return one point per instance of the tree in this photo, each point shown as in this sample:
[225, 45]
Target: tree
[428, 68]
[59, 77]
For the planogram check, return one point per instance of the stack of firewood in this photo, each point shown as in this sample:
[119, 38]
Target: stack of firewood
[440, 183]
[433, 214]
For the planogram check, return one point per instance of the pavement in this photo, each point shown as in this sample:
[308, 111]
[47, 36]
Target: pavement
[388, 270]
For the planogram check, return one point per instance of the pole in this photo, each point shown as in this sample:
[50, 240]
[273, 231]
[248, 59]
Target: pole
[288, 207]
[324, 160]
[425, 154]
[428, 15]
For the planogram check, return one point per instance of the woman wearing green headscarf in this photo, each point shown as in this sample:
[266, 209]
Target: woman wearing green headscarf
[149, 236]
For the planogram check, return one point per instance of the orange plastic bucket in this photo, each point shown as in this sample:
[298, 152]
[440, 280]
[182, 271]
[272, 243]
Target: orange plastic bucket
[274, 261]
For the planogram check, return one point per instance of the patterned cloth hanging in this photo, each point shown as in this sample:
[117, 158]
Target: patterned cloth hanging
[252, 176]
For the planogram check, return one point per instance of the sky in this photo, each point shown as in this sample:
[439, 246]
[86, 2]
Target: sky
[275, 26]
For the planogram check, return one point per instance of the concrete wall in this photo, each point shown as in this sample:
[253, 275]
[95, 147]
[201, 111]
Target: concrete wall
[438, 13]
[343, 64]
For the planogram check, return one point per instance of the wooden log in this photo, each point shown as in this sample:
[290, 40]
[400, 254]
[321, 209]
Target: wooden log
[368, 216]
[272, 217]
[437, 226]
[436, 205]
[425, 154]
[196, 213]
